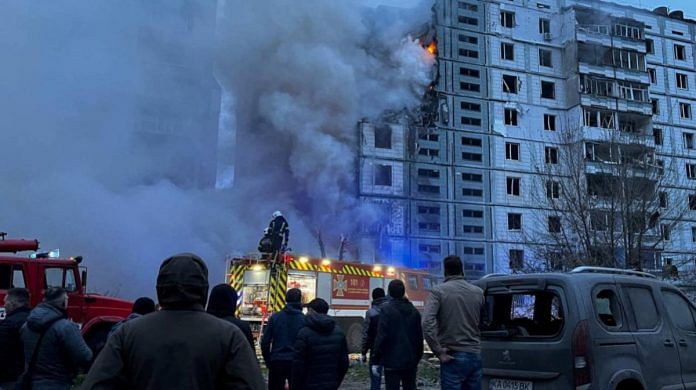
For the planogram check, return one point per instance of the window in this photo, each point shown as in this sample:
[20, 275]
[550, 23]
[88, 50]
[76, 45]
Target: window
[681, 312]
[429, 249]
[516, 259]
[475, 177]
[682, 81]
[514, 221]
[468, 213]
[652, 72]
[468, 20]
[628, 31]
[469, 53]
[608, 310]
[11, 277]
[54, 277]
[655, 106]
[544, 26]
[434, 210]
[428, 189]
[468, 250]
[468, 106]
[548, 90]
[513, 186]
[650, 46]
[685, 110]
[689, 140]
[553, 189]
[510, 117]
[528, 314]
[691, 171]
[472, 156]
[507, 19]
[693, 234]
[472, 192]
[413, 282]
[469, 87]
[383, 137]
[644, 307]
[510, 84]
[599, 221]
[467, 141]
[428, 283]
[468, 39]
[468, 6]
[679, 52]
[475, 229]
[429, 173]
[551, 155]
[664, 200]
[429, 226]
[427, 152]
[630, 60]
[468, 72]
[554, 224]
[545, 58]
[549, 122]
[512, 151]
[666, 232]
[657, 135]
[595, 118]
[427, 136]
[507, 51]
[692, 202]
[383, 175]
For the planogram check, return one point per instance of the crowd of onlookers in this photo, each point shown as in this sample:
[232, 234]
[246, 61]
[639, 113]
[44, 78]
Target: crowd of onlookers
[195, 341]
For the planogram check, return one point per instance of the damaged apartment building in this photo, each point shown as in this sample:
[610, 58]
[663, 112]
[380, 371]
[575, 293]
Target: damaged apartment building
[514, 76]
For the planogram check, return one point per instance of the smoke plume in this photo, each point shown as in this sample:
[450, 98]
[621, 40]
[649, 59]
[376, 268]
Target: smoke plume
[78, 172]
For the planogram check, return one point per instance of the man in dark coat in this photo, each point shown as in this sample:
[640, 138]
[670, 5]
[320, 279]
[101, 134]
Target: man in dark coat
[141, 306]
[180, 346]
[223, 304]
[278, 341]
[12, 351]
[279, 231]
[62, 350]
[369, 334]
[321, 351]
[399, 342]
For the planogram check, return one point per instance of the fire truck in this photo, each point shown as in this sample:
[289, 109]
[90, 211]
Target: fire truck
[94, 313]
[346, 286]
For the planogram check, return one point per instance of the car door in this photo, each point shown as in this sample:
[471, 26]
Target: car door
[652, 332]
[682, 315]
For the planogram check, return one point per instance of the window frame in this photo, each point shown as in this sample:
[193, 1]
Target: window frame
[378, 174]
[679, 49]
[511, 117]
[514, 88]
[658, 311]
[511, 219]
[513, 185]
[509, 149]
[682, 80]
[507, 19]
[679, 294]
[620, 326]
[549, 124]
[685, 110]
[507, 49]
[551, 155]
[553, 89]
[546, 54]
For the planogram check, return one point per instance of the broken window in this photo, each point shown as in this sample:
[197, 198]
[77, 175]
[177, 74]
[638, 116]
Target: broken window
[597, 86]
[551, 155]
[682, 81]
[554, 224]
[545, 58]
[628, 31]
[513, 186]
[633, 91]
[689, 140]
[507, 19]
[655, 106]
[468, 106]
[383, 137]
[383, 175]
[666, 232]
[510, 84]
[429, 173]
[510, 117]
[507, 51]
[468, 72]
[549, 122]
[544, 26]
[516, 261]
[692, 202]
[664, 200]
[693, 234]
[691, 171]
[514, 221]
[598, 118]
[685, 110]
[657, 136]
[512, 151]
[469, 53]
[468, 141]
[608, 308]
[427, 135]
[652, 72]
[650, 46]
[631, 60]
[548, 90]
[679, 52]
[553, 189]
[469, 87]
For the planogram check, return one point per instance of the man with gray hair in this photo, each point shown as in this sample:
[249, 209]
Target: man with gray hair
[12, 354]
[53, 346]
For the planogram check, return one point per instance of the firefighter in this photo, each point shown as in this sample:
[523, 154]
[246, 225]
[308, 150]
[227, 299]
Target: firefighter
[266, 243]
[280, 232]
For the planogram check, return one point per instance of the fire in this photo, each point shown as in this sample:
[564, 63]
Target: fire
[432, 48]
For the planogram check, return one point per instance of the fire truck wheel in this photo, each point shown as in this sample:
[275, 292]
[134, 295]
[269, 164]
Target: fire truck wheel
[354, 338]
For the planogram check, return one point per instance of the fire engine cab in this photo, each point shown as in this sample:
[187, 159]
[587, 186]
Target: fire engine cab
[346, 286]
[94, 313]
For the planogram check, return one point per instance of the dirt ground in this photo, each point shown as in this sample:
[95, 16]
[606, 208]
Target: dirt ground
[358, 376]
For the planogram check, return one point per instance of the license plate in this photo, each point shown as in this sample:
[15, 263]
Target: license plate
[508, 384]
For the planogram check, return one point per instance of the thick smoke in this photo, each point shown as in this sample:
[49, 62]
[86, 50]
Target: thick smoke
[77, 173]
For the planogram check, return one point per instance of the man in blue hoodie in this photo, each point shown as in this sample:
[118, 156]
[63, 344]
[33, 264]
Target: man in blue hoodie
[278, 341]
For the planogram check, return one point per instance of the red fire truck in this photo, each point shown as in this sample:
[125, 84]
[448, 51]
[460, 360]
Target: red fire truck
[346, 286]
[94, 313]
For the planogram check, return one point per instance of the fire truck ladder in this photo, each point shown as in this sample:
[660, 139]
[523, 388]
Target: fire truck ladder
[277, 286]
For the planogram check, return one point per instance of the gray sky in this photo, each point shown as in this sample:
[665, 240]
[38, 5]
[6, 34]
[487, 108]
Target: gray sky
[688, 6]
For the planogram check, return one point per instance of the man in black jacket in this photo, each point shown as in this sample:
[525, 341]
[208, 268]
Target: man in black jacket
[399, 342]
[321, 351]
[223, 304]
[12, 350]
[180, 346]
[278, 341]
[369, 333]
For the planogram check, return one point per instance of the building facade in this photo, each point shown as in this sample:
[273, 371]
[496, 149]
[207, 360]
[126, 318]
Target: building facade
[515, 78]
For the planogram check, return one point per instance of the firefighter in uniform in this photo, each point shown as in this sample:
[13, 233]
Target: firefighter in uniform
[266, 243]
[279, 232]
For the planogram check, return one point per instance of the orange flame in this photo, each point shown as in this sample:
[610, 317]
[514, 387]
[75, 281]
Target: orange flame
[432, 48]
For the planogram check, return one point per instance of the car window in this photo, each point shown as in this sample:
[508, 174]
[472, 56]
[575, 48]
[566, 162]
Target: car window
[608, 309]
[524, 314]
[427, 283]
[413, 282]
[5, 276]
[680, 311]
[54, 277]
[18, 277]
[644, 307]
[70, 284]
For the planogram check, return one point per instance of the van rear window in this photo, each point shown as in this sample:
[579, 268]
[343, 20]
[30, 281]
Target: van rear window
[523, 314]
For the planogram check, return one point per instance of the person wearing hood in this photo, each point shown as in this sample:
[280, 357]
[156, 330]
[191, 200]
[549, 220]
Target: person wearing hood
[54, 349]
[141, 306]
[321, 351]
[12, 352]
[180, 346]
[369, 334]
[278, 341]
[223, 304]
[399, 342]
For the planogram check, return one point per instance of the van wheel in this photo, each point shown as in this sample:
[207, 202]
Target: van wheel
[630, 384]
[354, 337]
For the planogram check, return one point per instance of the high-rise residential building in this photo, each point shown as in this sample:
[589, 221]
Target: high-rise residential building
[522, 88]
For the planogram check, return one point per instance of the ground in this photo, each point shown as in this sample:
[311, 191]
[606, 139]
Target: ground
[358, 377]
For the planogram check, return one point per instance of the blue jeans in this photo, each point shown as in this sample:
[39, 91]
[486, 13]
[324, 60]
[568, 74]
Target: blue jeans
[461, 373]
[376, 380]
